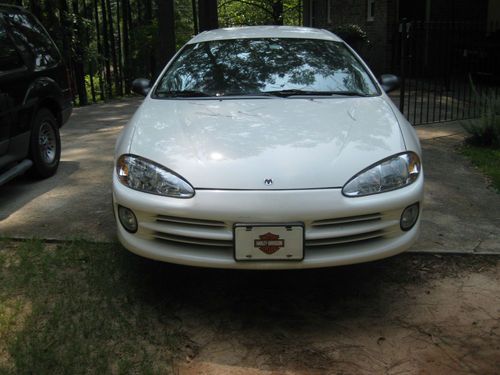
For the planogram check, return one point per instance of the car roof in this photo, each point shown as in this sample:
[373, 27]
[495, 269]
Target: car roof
[250, 32]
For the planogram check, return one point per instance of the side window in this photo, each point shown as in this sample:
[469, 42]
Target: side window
[34, 39]
[9, 58]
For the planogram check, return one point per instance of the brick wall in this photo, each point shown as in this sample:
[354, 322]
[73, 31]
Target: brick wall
[381, 30]
[379, 52]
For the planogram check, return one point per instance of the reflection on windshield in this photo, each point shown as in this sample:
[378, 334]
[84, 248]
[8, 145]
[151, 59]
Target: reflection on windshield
[253, 66]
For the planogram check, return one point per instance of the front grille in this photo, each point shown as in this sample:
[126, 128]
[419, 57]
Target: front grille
[344, 230]
[347, 220]
[345, 239]
[192, 240]
[188, 221]
[318, 233]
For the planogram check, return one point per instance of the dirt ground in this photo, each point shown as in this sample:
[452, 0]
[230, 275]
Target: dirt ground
[413, 314]
[80, 308]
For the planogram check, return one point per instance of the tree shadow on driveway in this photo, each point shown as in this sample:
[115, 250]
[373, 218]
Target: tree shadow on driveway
[22, 190]
[398, 314]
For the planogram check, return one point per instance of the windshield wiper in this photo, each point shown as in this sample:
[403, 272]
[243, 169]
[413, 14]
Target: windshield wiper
[348, 93]
[296, 92]
[182, 94]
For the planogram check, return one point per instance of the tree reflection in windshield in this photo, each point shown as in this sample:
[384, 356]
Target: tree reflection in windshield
[253, 66]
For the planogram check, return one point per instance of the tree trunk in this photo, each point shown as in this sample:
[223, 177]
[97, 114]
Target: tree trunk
[53, 23]
[112, 39]
[300, 13]
[99, 52]
[36, 9]
[207, 13]
[78, 60]
[139, 13]
[120, 64]
[195, 17]
[105, 41]
[166, 29]
[148, 18]
[278, 12]
[126, 47]
[88, 16]
[65, 32]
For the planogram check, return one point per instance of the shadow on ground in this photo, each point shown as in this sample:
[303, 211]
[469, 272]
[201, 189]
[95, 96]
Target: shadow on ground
[390, 316]
[95, 307]
[23, 190]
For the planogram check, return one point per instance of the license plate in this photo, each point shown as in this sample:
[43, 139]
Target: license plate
[268, 242]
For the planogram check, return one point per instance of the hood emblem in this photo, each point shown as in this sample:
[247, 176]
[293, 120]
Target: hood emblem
[268, 181]
[269, 243]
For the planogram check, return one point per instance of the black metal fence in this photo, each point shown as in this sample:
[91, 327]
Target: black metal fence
[448, 70]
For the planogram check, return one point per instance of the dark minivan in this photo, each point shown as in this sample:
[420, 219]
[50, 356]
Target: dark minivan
[35, 96]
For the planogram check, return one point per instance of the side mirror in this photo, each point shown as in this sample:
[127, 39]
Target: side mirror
[141, 86]
[389, 82]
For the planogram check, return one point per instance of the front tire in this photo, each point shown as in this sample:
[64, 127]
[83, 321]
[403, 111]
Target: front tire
[45, 144]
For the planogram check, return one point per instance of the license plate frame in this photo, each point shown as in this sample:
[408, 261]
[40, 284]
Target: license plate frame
[254, 242]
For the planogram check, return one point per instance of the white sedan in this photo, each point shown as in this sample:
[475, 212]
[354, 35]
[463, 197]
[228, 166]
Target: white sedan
[267, 148]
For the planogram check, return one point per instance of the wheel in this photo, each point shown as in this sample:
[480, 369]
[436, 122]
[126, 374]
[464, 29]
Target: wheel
[45, 144]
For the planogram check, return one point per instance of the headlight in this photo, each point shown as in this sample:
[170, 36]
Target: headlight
[147, 176]
[389, 174]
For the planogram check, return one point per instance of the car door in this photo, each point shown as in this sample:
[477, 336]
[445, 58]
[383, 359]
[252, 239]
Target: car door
[11, 68]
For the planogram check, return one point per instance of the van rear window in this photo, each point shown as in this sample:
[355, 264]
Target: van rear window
[9, 58]
[33, 40]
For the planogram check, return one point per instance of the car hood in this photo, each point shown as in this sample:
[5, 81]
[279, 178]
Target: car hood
[239, 143]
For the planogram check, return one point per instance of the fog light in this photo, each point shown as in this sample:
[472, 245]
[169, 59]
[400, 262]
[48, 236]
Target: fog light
[409, 217]
[127, 219]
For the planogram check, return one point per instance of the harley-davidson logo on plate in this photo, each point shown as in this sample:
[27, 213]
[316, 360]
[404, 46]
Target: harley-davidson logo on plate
[266, 242]
[269, 243]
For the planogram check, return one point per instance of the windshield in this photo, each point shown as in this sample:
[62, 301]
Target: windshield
[265, 66]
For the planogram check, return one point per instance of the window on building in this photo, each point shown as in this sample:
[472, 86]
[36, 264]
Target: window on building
[370, 10]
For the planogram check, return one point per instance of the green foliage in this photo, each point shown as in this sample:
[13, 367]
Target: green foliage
[97, 87]
[184, 23]
[485, 131]
[487, 160]
[79, 27]
[256, 12]
[352, 34]
[233, 14]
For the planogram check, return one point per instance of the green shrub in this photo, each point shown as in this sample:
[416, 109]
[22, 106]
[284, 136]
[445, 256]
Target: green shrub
[485, 130]
[351, 33]
[487, 160]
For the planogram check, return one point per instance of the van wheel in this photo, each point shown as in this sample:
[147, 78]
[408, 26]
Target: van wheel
[45, 144]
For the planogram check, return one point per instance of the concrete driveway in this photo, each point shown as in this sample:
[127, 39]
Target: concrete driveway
[76, 202]
[459, 214]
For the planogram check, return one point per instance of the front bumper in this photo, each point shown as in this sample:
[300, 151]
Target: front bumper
[199, 231]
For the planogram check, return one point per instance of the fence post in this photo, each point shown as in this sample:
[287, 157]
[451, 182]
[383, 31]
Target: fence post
[403, 36]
